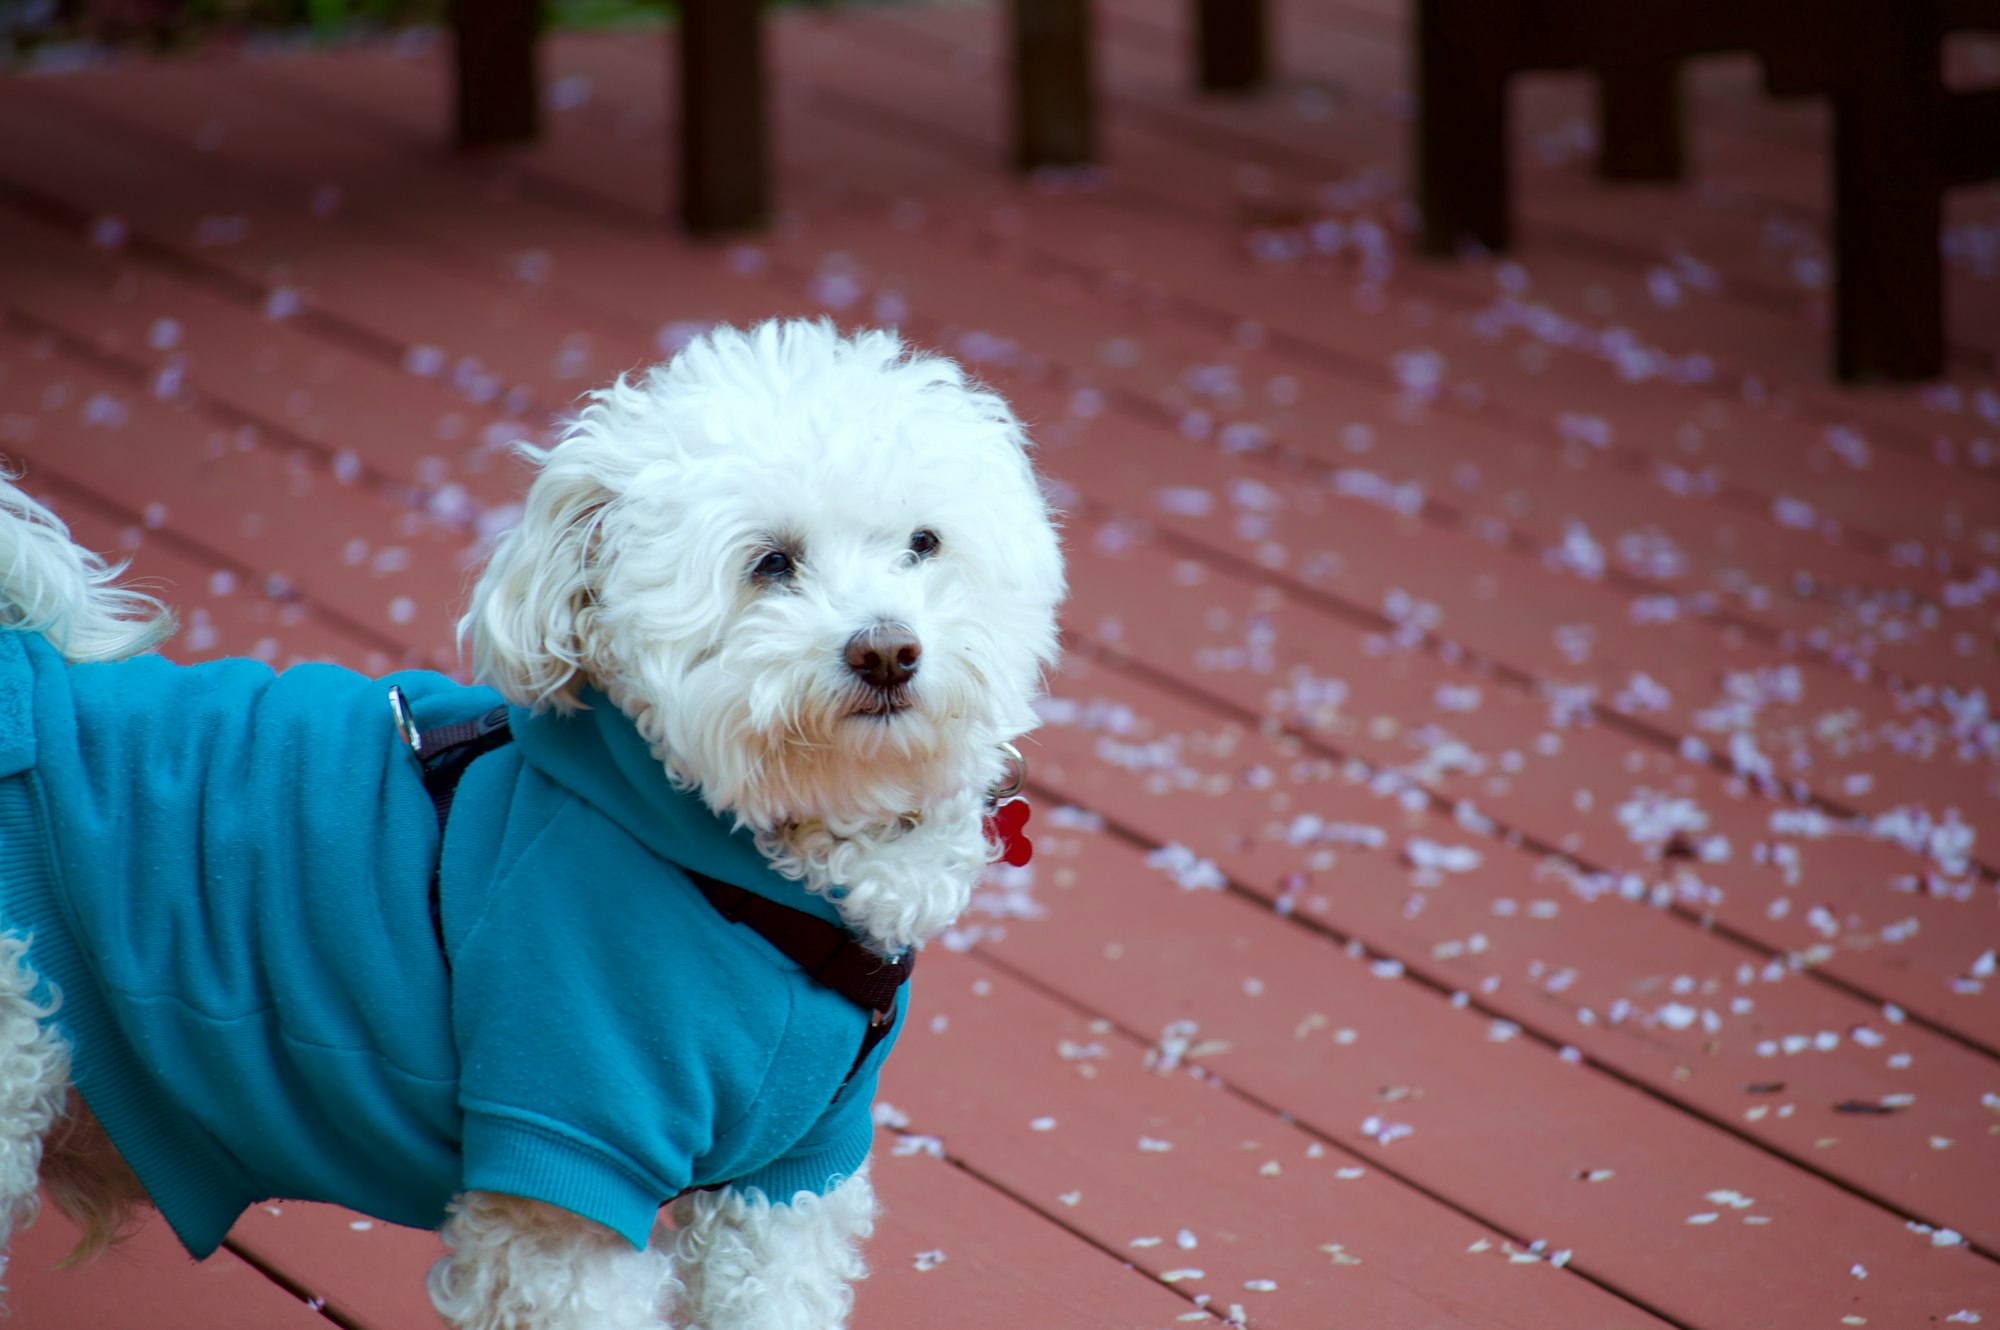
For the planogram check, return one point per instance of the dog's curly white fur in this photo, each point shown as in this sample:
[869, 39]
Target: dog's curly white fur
[705, 544]
[752, 1265]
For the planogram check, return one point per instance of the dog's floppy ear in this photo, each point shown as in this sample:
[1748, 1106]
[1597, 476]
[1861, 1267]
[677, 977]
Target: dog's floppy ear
[529, 624]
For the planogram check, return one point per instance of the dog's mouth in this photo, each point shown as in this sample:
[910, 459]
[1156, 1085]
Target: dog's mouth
[884, 705]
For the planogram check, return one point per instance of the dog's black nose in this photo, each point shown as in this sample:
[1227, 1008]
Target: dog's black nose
[884, 656]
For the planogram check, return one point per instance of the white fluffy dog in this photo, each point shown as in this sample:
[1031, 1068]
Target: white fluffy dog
[809, 581]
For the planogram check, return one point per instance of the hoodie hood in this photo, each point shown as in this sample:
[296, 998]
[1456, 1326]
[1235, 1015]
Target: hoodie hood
[598, 755]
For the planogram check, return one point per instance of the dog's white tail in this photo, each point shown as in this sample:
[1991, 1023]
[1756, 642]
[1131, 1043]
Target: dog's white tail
[53, 586]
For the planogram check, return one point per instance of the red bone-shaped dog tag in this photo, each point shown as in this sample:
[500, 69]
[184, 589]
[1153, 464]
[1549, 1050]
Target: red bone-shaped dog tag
[1005, 824]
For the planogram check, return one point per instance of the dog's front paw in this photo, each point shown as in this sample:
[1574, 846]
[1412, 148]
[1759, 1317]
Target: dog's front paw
[750, 1265]
[516, 1264]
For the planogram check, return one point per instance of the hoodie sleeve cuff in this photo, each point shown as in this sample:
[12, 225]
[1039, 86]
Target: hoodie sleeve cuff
[517, 1155]
[817, 1171]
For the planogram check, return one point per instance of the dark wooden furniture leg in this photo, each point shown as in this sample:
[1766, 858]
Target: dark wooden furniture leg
[1639, 121]
[725, 179]
[499, 93]
[1888, 130]
[1054, 115]
[1462, 171]
[1231, 44]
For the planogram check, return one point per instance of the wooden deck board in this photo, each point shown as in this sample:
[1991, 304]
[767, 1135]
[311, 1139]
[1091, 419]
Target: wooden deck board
[218, 616]
[1520, 758]
[142, 466]
[450, 305]
[179, 334]
[1200, 1187]
[1501, 1125]
[440, 305]
[1608, 976]
[146, 1280]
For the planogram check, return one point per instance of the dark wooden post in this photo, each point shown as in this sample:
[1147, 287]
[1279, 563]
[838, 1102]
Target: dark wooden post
[1639, 121]
[1462, 169]
[1972, 135]
[1888, 123]
[725, 177]
[1797, 69]
[499, 93]
[1055, 121]
[1231, 44]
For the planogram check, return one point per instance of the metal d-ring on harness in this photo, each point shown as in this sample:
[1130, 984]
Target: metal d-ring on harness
[442, 756]
[825, 951]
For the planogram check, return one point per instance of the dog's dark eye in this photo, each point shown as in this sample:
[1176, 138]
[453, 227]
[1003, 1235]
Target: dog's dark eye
[924, 543]
[775, 566]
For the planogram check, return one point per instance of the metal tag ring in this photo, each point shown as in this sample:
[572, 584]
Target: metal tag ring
[1002, 794]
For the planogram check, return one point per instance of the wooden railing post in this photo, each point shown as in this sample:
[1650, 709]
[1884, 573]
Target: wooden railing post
[499, 91]
[724, 173]
[1639, 121]
[1232, 44]
[1054, 109]
[1798, 69]
[1888, 185]
[1462, 168]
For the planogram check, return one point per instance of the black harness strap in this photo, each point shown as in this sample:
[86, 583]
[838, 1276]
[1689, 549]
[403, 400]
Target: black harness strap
[827, 953]
[443, 755]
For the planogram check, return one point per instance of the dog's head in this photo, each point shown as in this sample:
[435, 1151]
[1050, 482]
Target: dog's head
[816, 571]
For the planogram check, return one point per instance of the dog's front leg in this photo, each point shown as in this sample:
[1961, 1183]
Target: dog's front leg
[516, 1264]
[750, 1265]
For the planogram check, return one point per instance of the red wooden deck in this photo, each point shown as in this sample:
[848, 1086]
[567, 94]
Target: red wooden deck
[1519, 816]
